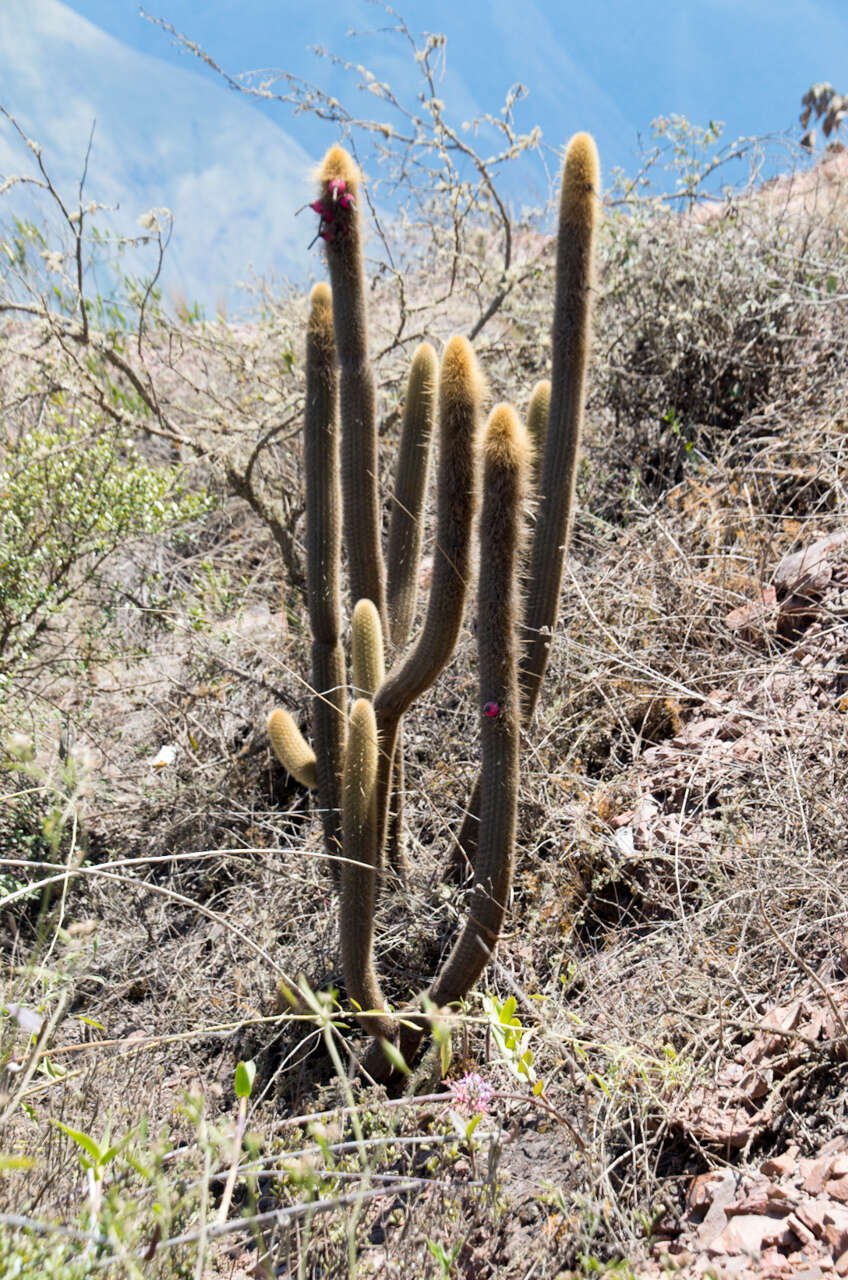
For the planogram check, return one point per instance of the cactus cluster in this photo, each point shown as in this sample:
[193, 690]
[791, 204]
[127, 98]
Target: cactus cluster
[356, 765]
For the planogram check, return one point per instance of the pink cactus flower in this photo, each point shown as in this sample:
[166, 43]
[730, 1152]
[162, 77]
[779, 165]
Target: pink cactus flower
[491, 710]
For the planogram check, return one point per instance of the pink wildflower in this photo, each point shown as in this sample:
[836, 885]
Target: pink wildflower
[491, 709]
[470, 1095]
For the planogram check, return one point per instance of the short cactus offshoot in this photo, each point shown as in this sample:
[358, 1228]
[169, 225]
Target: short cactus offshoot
[357, 763]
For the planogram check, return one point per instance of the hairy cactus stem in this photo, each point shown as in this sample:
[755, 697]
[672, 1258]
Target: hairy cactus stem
[366, 649]
[460, 393]
[359, 871]
[341, 224]
[291, 748]
[506, 454]
[578, 214]
[406, 527]
[323, 558]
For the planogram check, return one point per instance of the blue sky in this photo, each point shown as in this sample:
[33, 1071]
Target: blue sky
[746, 62]
[234, 171]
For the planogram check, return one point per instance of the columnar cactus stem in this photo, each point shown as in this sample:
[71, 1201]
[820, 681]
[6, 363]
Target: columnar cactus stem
[359, 872]
[323, 557]
[342, 230]
[579, 204]
[537, 428]
[460, 392]
[578, 214]
[506, 454]
[291, 748]
[406, 525]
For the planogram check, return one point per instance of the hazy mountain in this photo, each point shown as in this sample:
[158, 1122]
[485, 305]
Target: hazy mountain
[163, 136]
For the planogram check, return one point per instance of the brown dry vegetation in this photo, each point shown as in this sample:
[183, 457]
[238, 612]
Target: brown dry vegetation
[682, 846]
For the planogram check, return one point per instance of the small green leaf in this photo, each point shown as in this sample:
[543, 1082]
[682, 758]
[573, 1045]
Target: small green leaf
[245, 1075]
[472, 1125]
[91, 1022]
[83, 1140]
[395, 1057]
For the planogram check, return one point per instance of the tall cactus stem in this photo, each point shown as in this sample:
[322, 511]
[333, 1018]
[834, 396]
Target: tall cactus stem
[341, 223]
[460, 394]
[506, 454]
[359, 871]
[579, 205]
[323, 561]
[578, 216]
[405, 529]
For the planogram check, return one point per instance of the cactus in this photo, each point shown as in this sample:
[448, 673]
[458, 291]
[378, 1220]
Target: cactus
[363, 763]
[578, 210]
[537, 428]
[359, 871]
[460, 394]
[291, 749]
[366, 645]
[579, 203]
[506, 460]
[323, 556]
[341, 228]
[411, 482]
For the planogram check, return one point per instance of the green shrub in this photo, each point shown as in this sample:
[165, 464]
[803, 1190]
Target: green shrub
[71, 494]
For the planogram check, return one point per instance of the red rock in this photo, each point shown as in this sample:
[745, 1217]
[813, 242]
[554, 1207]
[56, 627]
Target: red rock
[748, 1232]
[812, 1213]
[815, 1173]
[837, 1188]
[704, 1188]
[783, 1017]
[836, 1228]
[760, 1197]
[842, 1264]
[839, 1168]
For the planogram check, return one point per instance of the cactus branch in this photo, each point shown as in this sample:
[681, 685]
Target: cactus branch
[341, 228]
[579, 204]
[359, 872]
[410, 484]
[460, 389]
[291, 748]
[323, 557]
[506, 453]
[366, 649]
